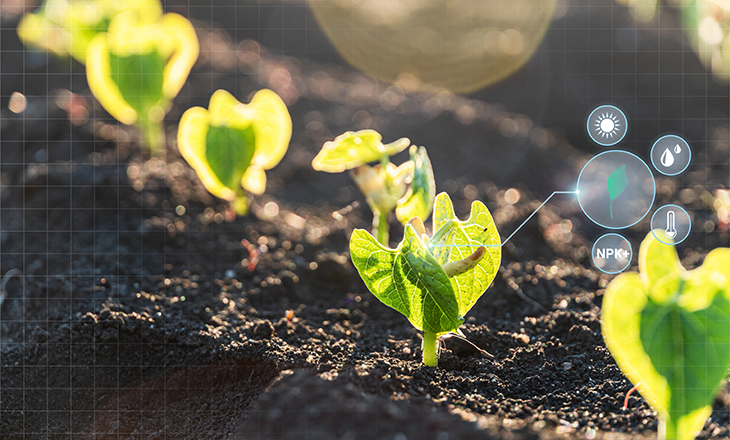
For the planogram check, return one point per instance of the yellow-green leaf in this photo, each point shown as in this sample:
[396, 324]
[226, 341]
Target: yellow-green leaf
[353, 149]
[407, 279]
[455, 240]
[669, 331]
[137, 67]
[222, 143]
[183, 42]
[422, 191]
[273, 127]
[104, 88]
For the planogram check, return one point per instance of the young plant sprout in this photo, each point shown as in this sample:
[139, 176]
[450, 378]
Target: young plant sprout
[66, 27]
[669, 331]
[137, 67]
[230, 145]
[434, 281]
[408, 188]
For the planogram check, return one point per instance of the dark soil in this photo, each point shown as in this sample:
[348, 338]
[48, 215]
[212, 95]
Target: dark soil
[144, 311]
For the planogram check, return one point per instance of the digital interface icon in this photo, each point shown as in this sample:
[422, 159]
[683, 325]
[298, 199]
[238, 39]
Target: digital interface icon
[607, 125]
[616, 189]
[671, 224]
[612, 253]
[671, 155]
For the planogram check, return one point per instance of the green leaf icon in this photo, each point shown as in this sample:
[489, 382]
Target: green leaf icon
[617, 183]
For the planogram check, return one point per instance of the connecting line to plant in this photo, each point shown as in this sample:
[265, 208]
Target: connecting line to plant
[518, 228]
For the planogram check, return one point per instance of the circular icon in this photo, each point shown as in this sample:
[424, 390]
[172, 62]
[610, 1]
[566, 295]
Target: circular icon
[612, 253]
[671, 224]
[616, 189]
[607, 125]
[671, 155]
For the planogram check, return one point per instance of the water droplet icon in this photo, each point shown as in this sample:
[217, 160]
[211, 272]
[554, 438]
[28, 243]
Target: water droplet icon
[667, 158]
[677, 149]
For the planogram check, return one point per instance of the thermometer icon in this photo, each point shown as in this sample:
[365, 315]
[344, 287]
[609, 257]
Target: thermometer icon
[671, 231]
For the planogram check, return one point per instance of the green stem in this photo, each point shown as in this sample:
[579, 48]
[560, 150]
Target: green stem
[240, 205]
[611, 209]
[666, 432]
[153, 134]
[380, 227]
[430, 349]
[384, 161]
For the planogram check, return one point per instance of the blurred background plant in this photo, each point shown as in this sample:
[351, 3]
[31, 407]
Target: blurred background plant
[706, 23]
[409, 188]
[137, 67]
[66, 27]
[137, 59]
[231, 145]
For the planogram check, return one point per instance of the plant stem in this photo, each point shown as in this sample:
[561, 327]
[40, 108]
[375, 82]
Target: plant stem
[153, 134]
[430, 349]
[665, 432]
[384, 161]
[240, 205]
[380, 227]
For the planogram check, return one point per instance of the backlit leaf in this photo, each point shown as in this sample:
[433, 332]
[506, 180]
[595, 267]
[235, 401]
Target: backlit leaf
[139, 77]
[669, 331]
[352, 149]
[407, 279]
[229, 151]
[273, 127]
[422, 190]
[222, 143]
[137, 66]
[455, 240]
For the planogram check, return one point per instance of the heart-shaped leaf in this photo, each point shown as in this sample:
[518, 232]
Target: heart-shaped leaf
[669, 331]
[352, 149]
[136, 68]
[223, 143]
[455, 240]
[407, 279]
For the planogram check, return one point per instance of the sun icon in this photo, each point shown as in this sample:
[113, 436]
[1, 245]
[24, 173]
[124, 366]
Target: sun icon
[607, 125]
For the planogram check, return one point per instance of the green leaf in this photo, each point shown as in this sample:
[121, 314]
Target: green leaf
[68, 26]
[669, 331]
[657, 260]
[422, 190]
[229, 152]
[455, 240]
[407, 279]
[231, 144]
[139, 78]
[352, 149]
[272, 125]
[691, 351]
[617, 183]
[140, 63]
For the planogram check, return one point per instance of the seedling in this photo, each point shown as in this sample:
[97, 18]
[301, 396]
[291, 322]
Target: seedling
[669, 331]
[434, 281]
[136, 68]
[409, 189]
[66, 27]
[230, 145]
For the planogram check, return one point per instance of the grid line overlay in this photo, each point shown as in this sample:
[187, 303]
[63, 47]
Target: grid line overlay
[78, 250]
